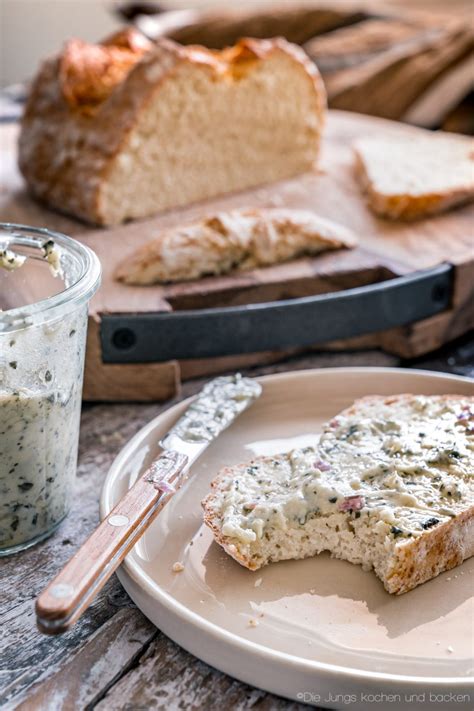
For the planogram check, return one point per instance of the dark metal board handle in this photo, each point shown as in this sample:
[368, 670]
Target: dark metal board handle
[277, 325]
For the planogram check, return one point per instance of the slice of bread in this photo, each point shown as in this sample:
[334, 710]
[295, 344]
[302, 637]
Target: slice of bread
[127, 128]
[390, 486]
[240, 239]
[409, 178]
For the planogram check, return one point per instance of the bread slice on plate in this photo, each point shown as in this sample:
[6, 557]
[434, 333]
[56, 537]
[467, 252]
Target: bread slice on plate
[239, 239]
[409, 178]
[127, 128]
[390, 486]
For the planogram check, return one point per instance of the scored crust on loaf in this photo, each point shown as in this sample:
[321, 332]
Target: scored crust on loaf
[239, 239]
[127, 128]
[409, 178]
[88, 73]
[390, 486]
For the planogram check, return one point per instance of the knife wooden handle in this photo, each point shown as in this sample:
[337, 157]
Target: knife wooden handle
[70, 593]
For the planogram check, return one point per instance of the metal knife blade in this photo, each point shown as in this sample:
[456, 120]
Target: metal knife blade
[210, 413]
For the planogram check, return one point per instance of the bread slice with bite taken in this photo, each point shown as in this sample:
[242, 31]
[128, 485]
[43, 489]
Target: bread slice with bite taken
[390, 486]
[128, 128]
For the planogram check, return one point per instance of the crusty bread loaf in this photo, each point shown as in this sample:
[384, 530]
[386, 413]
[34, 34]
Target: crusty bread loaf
[127, 128]
[390, 486]
[239, 239]
[409, 178]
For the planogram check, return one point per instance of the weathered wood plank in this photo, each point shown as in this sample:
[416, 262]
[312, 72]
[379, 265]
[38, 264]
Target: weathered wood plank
[97, 664]
[166, 674]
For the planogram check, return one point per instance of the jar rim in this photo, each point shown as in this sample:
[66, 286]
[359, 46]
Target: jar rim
[80, 291]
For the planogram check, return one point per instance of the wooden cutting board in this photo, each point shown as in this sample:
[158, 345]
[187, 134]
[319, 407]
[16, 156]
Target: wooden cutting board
[386, 249]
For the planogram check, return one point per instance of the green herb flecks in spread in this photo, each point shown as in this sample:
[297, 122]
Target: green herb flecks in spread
[215, 408]
[38, 435]
[410, 469]
[40, 391]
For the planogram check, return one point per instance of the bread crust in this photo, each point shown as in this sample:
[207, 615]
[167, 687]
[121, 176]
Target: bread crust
[209, 515]
[88, 74]
[238, 239]
[432, 553]
[72, 133]
[416, 561]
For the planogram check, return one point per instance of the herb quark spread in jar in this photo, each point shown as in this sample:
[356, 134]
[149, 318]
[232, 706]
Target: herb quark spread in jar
[46, 283]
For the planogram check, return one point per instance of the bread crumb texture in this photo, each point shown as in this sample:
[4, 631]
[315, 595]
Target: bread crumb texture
[409, 178]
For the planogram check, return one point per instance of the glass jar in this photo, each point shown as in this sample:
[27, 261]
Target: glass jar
[45, 286]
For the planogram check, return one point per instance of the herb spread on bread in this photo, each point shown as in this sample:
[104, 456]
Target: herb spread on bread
[385, 473]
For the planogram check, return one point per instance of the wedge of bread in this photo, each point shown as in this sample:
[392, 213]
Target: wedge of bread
[127, 128]
[417, 176]
[240, 239]
[390, 486]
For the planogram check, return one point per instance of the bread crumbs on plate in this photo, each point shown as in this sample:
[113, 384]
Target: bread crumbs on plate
[177, 567]
[253, 622]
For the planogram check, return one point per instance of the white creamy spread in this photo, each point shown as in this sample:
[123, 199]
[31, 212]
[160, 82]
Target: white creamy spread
[38, 435]
[52, 254]
[40, 393]
[10, 260]
[215, 408]
[409, 465]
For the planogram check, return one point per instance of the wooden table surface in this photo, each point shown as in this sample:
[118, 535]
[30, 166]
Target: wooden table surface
[114, 658]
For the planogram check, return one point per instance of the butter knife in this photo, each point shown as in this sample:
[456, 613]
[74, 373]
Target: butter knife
[71, 592]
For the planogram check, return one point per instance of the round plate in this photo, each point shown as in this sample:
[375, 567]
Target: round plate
[327, 632]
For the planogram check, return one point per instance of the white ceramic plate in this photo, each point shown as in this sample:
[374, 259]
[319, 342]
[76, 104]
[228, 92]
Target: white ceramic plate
[327, 632]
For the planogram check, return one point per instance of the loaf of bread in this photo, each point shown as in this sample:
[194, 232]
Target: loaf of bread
[127, 128]
[390, 486]
[239, 239]
[417, 176]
